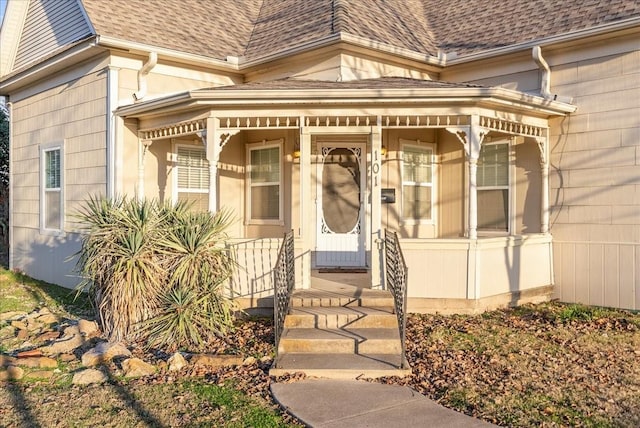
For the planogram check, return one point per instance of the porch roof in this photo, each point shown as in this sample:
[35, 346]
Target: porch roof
[386, 91]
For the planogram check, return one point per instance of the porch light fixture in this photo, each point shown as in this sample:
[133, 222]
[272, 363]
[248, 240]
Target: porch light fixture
[296, 150]
[383, 151]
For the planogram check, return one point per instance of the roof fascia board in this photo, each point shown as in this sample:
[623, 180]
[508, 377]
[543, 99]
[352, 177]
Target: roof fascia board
[547, 41]
[31, 73]
[246, 98]
[171, 54]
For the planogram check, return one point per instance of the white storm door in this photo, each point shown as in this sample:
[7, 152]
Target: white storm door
[341, 195]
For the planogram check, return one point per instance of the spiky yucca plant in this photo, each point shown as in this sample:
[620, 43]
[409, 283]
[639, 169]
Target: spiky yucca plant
[119, 261]
[156, 271]
[198, 264]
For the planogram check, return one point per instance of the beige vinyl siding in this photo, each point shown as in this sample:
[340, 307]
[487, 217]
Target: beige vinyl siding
[73, 113]
[596, 183]
[50, 25]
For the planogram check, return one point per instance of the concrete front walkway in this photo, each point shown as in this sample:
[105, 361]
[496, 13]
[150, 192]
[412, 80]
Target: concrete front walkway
[345, 403]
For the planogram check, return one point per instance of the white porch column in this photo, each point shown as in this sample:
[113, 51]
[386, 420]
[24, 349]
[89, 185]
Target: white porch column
[211, 142]
[143, 147]
[376, 208]
[306, 203]
[476, 134]
[544, 171]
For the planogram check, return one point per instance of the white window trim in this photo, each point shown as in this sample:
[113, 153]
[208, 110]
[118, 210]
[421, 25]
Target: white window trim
[265, 144]
[417, 144]
[175, 188]
[44, 148]
[509, 187]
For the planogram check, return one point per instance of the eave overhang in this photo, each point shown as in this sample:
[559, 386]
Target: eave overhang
[58, 61]
[497, 98]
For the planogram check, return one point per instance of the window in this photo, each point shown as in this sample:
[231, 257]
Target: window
[417, 183]
[264, 178]
[493, 187]
[193, 177]
[51, 194]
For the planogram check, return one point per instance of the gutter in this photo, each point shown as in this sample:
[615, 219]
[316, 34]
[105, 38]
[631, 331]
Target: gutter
[139, 48]
[547, 41]
[500, 96]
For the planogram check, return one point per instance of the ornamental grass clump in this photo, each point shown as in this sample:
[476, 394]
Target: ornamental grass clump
[198, 265]
[156, 271]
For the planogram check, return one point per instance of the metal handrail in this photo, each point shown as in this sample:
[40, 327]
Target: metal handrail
[397, 275]
[284, 281]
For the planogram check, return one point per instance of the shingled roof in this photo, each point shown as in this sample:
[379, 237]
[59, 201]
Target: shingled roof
[257, 28]
[378, 83]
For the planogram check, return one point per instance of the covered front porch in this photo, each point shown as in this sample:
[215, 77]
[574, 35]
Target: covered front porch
[461, 175]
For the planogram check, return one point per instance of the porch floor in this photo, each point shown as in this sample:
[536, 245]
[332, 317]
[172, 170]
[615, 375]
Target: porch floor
[341, 289]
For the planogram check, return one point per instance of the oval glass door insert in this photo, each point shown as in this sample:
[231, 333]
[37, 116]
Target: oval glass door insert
[341, 190]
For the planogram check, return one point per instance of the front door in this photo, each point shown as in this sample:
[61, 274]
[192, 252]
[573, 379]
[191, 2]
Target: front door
[341, 196]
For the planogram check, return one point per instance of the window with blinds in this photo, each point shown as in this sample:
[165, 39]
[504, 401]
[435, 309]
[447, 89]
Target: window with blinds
[493, 187]
[417, 182]
[264, 183]
[51, 195]
[193, 177]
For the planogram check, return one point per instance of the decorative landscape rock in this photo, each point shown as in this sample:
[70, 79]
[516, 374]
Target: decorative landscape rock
[103, 353]
[47, 335]
[37, 362]
[176, 362]
[88, 328]
[66, 358]
[21, 325]
[211, 360]
[11, 373]
[89, 376]
[30, 353]
[249, 361]
[135, 367]
[6, 360]
[63, 345]
[12, 315]
[48, 318]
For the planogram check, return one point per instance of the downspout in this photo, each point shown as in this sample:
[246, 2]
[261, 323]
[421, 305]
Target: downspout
[10, 225]
[142, 76]
[545, 83]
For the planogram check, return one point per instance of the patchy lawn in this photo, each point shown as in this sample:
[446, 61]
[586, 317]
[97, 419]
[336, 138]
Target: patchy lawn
[544, 365]
[236, 396]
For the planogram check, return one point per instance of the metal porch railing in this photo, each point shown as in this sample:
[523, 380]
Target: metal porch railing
[284, 281]
[396, 278]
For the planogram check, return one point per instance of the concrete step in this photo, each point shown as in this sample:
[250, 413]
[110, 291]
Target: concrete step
[341, 316]
[372, 298]
[340, 366]
[340, 341]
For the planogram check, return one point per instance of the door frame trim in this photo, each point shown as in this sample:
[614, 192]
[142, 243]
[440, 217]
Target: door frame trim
[347, 142]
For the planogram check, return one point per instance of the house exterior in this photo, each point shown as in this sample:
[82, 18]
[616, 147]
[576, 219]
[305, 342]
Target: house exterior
[500, 140]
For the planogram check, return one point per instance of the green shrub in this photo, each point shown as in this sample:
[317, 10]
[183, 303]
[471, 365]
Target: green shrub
[155, 270]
